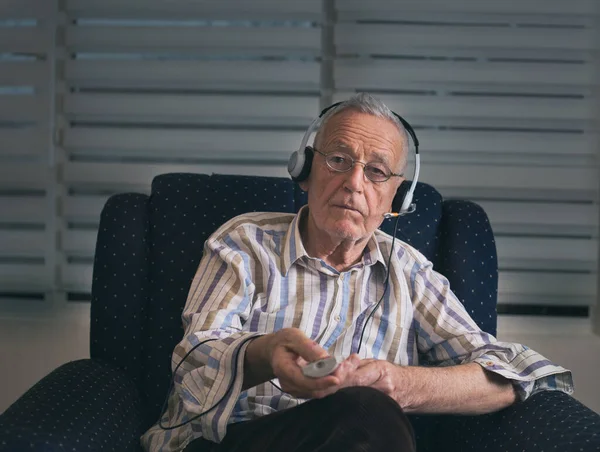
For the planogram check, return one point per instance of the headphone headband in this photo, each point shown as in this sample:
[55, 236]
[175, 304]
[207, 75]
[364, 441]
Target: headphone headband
[403, 121]
[300, 161]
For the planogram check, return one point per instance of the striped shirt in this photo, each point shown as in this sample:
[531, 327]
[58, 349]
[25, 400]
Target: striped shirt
[256, 277]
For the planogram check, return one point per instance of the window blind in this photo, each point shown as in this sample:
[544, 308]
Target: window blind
[152, 87]
[27, 239]
[97, 97]
[501, 96]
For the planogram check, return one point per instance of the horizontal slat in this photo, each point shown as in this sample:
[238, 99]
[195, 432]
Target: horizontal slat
[23, 209]
[24, 73]
[176, 74]
[443, 141]
[30, 141]
[190, 143]
[24, 176]
[139, 177]
[185, 9]
[392, 39]
[540, 283]
[203, 109]
[25, 9]
[487, 142]
[503, 177]
[23, 243]
[531, 213]
[548, 289]
[271, 41]
[22, 108]
[83, 208]
[547, 253]
[472, 18]
[24, 40]
[485, 107]
[390, 9]
[77, 242]
[523, 159]
[77, 277]
[24, 277]
[518, 193]
[545, 300]
[439, 147]
[377, 74]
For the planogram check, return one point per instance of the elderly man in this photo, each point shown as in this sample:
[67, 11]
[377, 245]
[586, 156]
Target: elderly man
[276, 291]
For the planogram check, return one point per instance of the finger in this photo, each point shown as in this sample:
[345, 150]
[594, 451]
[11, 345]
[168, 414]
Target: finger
[364, 362]
[311, 388]
[288, 371]
[367, 374]
[308, 350]
[346, 368]
[301, 361]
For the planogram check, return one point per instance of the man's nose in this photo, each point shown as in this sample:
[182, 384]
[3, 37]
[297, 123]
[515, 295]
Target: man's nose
[355, 177]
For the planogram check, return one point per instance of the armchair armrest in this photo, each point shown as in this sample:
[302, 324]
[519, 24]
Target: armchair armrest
[82, 405]
[548, 420]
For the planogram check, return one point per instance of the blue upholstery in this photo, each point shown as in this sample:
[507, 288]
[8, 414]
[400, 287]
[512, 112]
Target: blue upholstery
[147, 252]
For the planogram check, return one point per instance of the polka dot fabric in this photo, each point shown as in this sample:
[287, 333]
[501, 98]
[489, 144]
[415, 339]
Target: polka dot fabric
[546, 422]
[84, 405]
[466, 255]
[120, 283]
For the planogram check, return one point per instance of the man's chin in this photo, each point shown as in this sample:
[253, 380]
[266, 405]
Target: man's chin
[345, 229]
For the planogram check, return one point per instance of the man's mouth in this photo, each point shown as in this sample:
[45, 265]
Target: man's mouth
[341, 206]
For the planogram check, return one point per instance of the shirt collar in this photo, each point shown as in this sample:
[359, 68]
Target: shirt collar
[293, 249]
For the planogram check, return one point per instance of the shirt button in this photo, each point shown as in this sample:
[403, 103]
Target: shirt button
[489, 363]
[337, 318]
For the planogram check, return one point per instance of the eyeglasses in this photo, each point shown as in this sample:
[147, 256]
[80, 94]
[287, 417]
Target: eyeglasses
[342, 162]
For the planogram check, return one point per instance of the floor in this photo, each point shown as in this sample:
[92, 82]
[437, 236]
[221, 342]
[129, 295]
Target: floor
[31, 348]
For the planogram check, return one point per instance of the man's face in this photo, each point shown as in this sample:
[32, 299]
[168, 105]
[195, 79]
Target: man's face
[348, 205]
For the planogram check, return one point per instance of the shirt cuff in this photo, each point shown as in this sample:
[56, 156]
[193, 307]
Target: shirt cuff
[528, 371]
[217, 385]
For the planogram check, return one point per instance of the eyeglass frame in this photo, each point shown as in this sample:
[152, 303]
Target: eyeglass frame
[354, 161]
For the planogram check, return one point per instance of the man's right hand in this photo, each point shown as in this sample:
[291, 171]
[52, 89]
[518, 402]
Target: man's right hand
[286, 352]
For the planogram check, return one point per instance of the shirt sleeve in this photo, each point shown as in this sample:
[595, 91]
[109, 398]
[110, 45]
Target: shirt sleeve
[219, 301]
[447, 335]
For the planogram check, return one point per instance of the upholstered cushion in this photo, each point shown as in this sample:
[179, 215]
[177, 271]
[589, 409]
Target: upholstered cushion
[548, 421]
[466, 255]
[84, 405]
[120, 283]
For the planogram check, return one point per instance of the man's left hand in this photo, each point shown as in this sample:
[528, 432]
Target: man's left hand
[375, 373]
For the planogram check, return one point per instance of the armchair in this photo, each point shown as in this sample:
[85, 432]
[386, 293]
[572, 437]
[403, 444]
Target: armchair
[147, 252]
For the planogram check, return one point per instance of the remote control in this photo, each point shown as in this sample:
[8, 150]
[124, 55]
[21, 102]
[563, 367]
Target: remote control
[321, 368]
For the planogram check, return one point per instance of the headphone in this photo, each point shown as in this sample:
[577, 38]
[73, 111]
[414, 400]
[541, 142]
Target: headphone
[300, 161]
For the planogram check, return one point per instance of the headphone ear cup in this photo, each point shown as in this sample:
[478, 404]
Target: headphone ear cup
[305, 171]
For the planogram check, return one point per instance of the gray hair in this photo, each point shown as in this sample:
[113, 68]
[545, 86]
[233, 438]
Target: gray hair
[366, 103]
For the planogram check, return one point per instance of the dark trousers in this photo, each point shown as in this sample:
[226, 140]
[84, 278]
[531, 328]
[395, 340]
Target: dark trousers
[352, 419]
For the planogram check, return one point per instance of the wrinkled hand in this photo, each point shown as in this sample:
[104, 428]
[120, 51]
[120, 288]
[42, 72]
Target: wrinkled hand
[378, 374]
[375, 373]
[290, 350]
